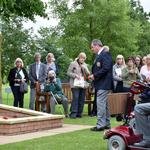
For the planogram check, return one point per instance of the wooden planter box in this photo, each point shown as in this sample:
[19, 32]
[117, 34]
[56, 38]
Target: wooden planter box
[117, 102]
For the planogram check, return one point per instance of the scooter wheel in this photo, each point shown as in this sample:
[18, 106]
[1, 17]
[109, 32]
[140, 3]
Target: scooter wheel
[116, 143]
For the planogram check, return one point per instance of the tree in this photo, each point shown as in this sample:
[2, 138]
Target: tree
[48, 42]
[138, 14]
[103, 19]
[17, 42]
[23, 8]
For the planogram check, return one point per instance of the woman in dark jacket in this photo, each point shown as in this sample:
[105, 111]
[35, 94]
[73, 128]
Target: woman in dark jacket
[17, 75]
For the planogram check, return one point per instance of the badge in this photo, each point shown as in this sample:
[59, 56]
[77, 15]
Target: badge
[98, 64]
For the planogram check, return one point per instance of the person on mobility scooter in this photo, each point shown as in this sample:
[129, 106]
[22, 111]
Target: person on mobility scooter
[123, 137]
[142, 121]
[142, 116]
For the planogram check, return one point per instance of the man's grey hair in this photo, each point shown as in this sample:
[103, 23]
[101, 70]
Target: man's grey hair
[97, 42]
[37, 54]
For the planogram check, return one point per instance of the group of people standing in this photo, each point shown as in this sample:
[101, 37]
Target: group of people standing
[38, 73]
[104, 77]
[125, 73]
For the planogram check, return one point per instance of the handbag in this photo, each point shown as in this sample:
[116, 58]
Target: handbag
[79, 82]
[24, 87]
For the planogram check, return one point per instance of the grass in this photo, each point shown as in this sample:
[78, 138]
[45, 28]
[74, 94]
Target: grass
[83, 139]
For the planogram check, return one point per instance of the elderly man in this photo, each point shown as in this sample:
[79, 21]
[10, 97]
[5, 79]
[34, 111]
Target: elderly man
[37, 74]
[142, 118]
[102, 79]
[54, 86]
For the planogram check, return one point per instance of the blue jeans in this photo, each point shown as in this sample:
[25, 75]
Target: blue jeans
[77, 104]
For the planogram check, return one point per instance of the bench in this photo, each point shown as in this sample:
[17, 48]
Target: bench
[42, 103]
[117, 103]
[88, 99]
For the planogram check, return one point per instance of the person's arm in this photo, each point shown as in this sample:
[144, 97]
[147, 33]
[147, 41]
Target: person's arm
[42, 78]
[115, 76]
[26, 75]
[106, 66]
[71, 70]
[10, 76]
[31, 78]
[58, 85]
[125, 73]
[138, 74]
[85, 69]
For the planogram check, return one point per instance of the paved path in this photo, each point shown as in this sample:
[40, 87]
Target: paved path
[22, 137]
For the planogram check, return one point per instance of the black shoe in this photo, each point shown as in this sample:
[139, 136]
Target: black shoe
[66, 116]
[79, 116]
[97, 129]
[107, 127]
[92, 115]
[72, 117]
[143, 143]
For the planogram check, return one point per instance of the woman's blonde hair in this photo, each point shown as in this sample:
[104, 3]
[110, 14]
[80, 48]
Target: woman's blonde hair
[148, 56]
[19, 60]
[82, 54]
[121, 57]
[50, 55]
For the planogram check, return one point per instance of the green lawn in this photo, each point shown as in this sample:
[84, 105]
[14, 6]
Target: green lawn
[83, 140]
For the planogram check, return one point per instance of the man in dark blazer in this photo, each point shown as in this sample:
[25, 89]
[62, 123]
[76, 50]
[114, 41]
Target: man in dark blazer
[102, 80]
[37, 74]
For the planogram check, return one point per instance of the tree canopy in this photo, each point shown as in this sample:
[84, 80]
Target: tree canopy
[122, 25]
[107, 20]
[22, 8]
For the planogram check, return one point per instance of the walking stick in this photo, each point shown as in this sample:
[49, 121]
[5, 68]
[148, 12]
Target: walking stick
[56, 102]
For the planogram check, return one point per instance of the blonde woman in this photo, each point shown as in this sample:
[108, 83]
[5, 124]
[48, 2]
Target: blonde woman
[77, 69]
[145, 70]
[50, 63]
[17, 75]
[117, 72]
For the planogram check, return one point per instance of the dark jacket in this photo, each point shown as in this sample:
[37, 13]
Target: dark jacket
[102, 71]
[55, 88]
[12, 74]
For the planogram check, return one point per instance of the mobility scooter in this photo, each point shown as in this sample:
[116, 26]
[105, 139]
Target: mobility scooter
[123, 137]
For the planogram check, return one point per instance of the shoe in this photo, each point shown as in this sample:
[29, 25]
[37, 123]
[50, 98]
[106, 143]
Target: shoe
[107, 127]
[144, 143]
[79, 116]
[72, 117]
[92, 115]
[66, 116]
[97, 129]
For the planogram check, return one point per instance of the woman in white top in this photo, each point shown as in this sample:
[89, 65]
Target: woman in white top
[145, 70]
[117, 73]
[17, 75]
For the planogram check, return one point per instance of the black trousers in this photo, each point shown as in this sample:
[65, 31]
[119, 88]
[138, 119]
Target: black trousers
[94, 110]
[18, 96]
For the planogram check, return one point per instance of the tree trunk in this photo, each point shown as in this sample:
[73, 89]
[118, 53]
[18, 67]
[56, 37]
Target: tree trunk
[0, 70]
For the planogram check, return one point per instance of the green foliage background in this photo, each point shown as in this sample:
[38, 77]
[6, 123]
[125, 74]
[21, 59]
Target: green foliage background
[120, 24]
